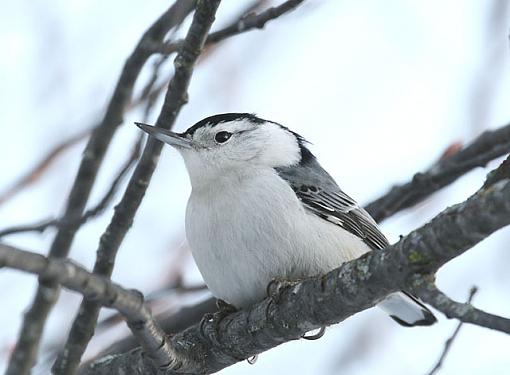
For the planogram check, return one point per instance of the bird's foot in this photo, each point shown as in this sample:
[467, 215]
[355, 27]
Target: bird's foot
[277, 285]
[274, 289]
[224, 308]
[210, 323]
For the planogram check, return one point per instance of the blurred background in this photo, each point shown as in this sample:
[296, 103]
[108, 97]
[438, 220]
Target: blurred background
[381, 89]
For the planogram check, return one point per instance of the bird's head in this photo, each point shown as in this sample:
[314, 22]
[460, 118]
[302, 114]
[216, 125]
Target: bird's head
[233, 142]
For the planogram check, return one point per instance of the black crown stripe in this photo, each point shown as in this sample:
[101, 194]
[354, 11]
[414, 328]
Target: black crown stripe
[224, 117]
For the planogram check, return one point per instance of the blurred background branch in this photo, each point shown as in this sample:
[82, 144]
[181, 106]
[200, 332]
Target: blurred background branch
[449, 342]
[41, 167]
[488, 146]
[90, 213]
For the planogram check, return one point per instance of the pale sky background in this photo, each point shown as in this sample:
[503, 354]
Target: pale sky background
[380, 89]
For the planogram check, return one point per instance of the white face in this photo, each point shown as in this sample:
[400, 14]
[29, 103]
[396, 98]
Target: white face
[228, 143]
[238, 145]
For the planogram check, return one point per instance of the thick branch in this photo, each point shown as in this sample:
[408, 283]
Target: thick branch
[176, 96]
[465, 312]
[25, 352]
[353, 287]
[488, 146]
[129, 303]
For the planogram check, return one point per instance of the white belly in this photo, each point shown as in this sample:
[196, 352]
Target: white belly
[244, 233]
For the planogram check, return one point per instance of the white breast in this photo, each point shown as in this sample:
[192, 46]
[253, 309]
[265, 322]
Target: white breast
[244, 231]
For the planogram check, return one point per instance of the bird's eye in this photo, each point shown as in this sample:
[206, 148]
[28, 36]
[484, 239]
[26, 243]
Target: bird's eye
[222, 137]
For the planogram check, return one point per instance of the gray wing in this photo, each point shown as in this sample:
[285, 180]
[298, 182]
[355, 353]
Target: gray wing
[320, 194]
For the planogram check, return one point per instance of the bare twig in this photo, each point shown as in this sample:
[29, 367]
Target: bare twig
[247, 22]
[157, 89]
[153, 297]
[488, 146]
[40, 227]
[297, 308]
[451, 339]
[465, 312]
[176, 96]
[129, 303]
[38, 170]
[25, 352]
[177, 322]
[93, 212]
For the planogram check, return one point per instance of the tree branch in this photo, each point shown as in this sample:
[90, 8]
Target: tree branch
[154, 297]
[465, 312]
[176, 96]
[177, 322]
[38, 170]
[93, 212]
[247, 22]
[129, 303]
[488, 146]
[296, 308]
[25, 352]
[451, 339]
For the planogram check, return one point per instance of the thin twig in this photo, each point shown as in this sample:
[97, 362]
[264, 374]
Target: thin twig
[176, 96]
[25, 353]
[157, 89]
[427, 291]
[247, 22]
[181, 320]
[451, 339]
[486, 147]
[153, 297]
[129, 303]
[38, 170]
[93, 212]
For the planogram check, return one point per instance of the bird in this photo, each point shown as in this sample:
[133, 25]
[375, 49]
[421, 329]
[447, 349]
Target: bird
[262, 208]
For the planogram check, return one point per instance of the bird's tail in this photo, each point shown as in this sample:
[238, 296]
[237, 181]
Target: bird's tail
[407, 310]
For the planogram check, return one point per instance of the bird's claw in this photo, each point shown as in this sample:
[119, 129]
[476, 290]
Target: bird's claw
[315, 336]
[274, 289]
[252, 360]
[276, 286]
[224, 308]
[215, 319]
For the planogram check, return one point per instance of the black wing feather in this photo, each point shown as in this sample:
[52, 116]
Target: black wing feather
[320, 194]
[341, 210]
